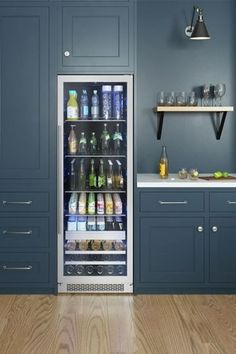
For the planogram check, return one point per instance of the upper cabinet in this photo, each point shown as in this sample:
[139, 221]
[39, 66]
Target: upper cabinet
[96, 37]
[24, 92]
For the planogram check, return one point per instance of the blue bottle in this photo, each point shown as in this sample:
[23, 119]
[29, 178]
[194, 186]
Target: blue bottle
[84, 112]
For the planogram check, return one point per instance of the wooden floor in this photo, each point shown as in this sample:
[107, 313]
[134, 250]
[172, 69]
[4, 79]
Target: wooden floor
[112, 324]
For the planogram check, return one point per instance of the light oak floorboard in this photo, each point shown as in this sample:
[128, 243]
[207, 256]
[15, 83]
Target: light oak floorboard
[118, 324]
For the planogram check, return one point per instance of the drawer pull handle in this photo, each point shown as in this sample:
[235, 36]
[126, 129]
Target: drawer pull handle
[214, 228]
[173, 203]
[230, 202]
[28, 202]
[6, 232]
[4, 267]
[200, 229]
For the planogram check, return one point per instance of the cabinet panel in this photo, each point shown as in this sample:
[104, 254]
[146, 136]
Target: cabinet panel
[223, 250]
[95, 36]
[223, 201]
[24, 202]
[171, 201]
[24, 92]
[171, 250]
[18, 232]
[24, 268]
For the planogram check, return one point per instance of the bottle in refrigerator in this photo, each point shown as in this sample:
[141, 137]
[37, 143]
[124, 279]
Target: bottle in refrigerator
[69, 270]
[95, 245]
[108, 204]
[72, 176]
[101, 176]
[100, 270]
[72, 141]
[105, 140]
[95, 105]
[117, 204]
[101, 223]
[89, 270]
[82, 204]
[84, 111]
[163, 164]
[120, 270]
[91, 223]
[110, 225]
[92, 176]
[117, 140]
[91, 204]
[93, 144]
[106, 101]
[110, 270]
[82, 223]
[82, 143]
[72, 105]
[119, 179]
[81, 176]
[107, 245]
[72, 223]
[118, 101]
[79, 269]
[100, 204]
[119, 225]
[110, 176]
[73, 203]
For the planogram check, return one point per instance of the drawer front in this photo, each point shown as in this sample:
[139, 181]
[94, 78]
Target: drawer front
[223, 201]
[171, 201]
[24, 232]
[24, 268]
[23, 201]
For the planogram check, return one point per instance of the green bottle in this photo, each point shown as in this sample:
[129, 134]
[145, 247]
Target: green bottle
[101, 176]
[92, 176]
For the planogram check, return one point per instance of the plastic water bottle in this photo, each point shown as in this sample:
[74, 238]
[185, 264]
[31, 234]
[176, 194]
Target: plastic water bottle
[95, 105]
[106, 101]
[84, 105]
[118, 102]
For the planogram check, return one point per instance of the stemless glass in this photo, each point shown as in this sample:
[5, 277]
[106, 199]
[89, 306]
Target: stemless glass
[181, 99]
[170, 99]
[206, 94]
[219, 92]
[192, 99]
[161, 98]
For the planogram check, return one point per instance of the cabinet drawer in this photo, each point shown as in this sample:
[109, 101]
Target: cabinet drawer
[171, 201]
[24, 232]
[223, 201]
[23, 201]
[24, 268]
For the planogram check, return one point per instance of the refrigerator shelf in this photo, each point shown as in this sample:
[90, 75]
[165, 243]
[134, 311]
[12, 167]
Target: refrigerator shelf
[94, 155]
[112, 215]
[95, 262]
[95, 252]
[90, 120]
[96, 191]
[95, 235]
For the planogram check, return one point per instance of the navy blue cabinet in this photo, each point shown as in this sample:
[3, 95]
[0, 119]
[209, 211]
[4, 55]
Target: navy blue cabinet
[96, 38]
[171, 249]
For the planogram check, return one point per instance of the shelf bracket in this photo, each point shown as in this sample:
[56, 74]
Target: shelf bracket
[160, 124]
[220, 129]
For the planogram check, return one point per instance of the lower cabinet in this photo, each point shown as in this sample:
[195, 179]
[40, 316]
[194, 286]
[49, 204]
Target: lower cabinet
[185, 241]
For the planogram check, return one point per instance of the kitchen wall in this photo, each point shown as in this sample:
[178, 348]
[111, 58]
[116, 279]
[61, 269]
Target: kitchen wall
[167, 60]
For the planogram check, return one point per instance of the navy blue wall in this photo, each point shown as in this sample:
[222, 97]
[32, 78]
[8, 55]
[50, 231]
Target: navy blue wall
[167, 60]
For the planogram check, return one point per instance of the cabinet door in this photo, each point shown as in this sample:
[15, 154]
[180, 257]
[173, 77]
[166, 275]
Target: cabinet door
[171, 250]
[223, 250]
[24, 92]
[95, 36]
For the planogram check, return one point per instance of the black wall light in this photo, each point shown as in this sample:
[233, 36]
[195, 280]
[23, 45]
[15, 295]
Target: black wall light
[199, 31]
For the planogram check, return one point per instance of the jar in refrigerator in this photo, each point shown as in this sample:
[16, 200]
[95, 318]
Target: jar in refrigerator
[100, 223]
[91, 223]
[110, 269]
[91, 204]
[108, 204]
[82, 204]
[72, 105]
[100, 204]
[106, 101]
[95, 245]
[100, 270]
[72, 223]
[81, 223]
[90, 270]
[79, 269]
[118, 101]
[72, 141]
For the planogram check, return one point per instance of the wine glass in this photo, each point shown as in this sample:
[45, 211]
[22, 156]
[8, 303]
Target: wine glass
[206, 93]
[219, 92]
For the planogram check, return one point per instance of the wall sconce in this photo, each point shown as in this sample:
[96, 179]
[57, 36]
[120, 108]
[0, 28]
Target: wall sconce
[199, 31]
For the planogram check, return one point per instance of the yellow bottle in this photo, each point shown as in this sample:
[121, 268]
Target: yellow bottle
[163, 164]
[72, 105]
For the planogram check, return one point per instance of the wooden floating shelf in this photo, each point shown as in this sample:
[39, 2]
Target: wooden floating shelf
[220, 110]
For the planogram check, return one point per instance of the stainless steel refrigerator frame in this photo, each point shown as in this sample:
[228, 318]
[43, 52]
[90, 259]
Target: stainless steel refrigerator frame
[95, 284]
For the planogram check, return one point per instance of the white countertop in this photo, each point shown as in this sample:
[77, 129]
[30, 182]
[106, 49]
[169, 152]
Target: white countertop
[152, 180]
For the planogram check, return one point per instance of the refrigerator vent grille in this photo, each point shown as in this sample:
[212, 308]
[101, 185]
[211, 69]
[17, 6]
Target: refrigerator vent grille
[95, 287]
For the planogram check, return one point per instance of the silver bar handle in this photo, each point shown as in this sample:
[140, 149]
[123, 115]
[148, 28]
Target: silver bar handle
[171, 202]
[230, 202]
[6, 232]
[28, 202]
[4, 267]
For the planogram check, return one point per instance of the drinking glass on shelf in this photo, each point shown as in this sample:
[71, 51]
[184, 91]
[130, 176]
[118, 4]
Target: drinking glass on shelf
[219, 92]
[170, 99]
[181, 99]
[192, 99]
[161, 98]
[206, 94]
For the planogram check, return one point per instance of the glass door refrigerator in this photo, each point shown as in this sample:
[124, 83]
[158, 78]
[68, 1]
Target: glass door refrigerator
[95, 183]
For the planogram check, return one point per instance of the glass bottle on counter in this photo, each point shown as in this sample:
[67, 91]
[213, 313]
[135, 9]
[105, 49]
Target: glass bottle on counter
[164, 164]
[81, 177]
[72, 141]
